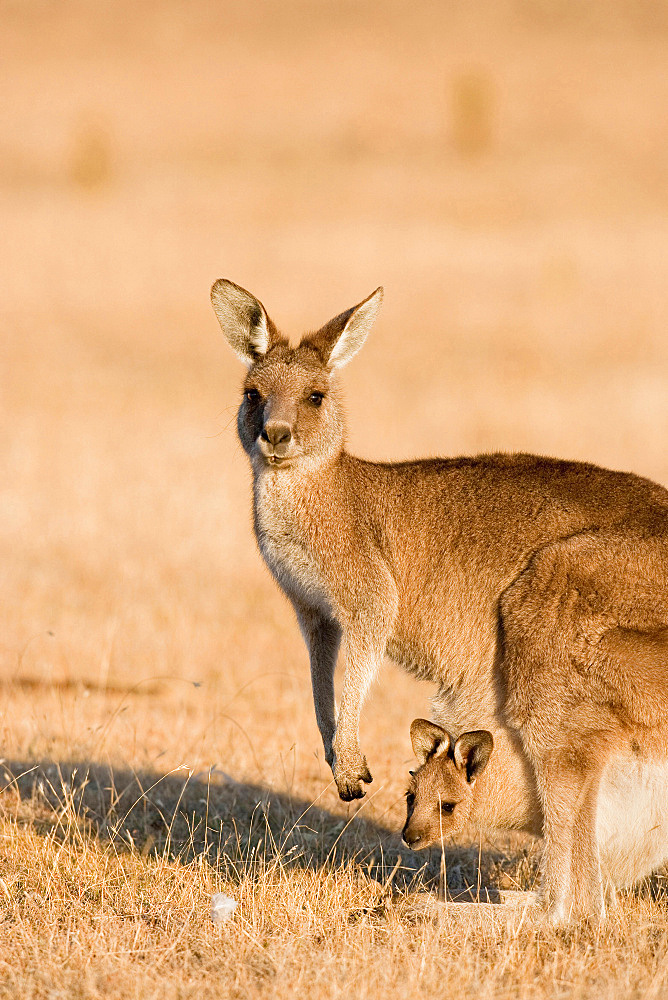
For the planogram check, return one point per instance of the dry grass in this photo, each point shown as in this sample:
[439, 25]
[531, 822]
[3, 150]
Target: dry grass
[501, 169]
[108, 879]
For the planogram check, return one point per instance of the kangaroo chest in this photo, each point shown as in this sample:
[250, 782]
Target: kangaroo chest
[282, 531]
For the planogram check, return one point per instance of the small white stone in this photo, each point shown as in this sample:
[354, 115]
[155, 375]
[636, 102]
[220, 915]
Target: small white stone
[222, 907]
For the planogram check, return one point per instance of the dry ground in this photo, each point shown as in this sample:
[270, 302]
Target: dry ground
[501, 168]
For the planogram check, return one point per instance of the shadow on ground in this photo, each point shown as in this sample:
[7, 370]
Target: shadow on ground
[234, 825]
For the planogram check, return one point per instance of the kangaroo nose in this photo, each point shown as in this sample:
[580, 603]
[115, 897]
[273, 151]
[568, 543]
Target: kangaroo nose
[276, 433]
[410, 838]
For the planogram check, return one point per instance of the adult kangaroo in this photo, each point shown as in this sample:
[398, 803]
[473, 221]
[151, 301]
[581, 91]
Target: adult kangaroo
[532, 591]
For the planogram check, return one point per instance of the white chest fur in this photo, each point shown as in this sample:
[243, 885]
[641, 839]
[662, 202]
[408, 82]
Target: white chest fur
[282, 528]
[632, 818]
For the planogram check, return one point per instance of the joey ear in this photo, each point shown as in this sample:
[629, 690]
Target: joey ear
[428, 739]
[340, 339]
[472, 752]
[243, 319]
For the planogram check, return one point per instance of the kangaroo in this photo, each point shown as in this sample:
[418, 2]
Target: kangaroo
[448, 791]
[532, 591]
[442, 797]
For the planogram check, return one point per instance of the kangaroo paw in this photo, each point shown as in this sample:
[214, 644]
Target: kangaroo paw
[349, 779]
[349, 790]
[365, 774]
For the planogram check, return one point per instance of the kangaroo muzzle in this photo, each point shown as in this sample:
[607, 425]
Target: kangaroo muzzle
[276, 440]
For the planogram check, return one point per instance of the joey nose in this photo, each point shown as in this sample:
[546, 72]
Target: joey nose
[276, 433]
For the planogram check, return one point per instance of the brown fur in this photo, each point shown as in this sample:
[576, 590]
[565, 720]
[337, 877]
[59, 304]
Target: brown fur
[532, 591]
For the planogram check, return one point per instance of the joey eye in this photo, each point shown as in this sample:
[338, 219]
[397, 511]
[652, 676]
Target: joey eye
[447, 807]
[252, 395]
[316, 398]
[410, 799]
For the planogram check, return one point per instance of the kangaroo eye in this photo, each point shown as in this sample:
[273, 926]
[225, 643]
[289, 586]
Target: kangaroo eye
[252, 395]
[316, 398]
[447, 807]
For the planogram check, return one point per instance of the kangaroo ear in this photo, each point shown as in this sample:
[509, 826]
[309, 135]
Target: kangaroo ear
[243, 319]
[472, 752]
[428, 740]
[340, 339]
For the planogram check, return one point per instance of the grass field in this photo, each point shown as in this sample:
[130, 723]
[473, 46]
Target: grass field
[501, 169]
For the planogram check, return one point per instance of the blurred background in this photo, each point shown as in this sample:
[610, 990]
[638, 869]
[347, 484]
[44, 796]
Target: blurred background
[501, 168]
